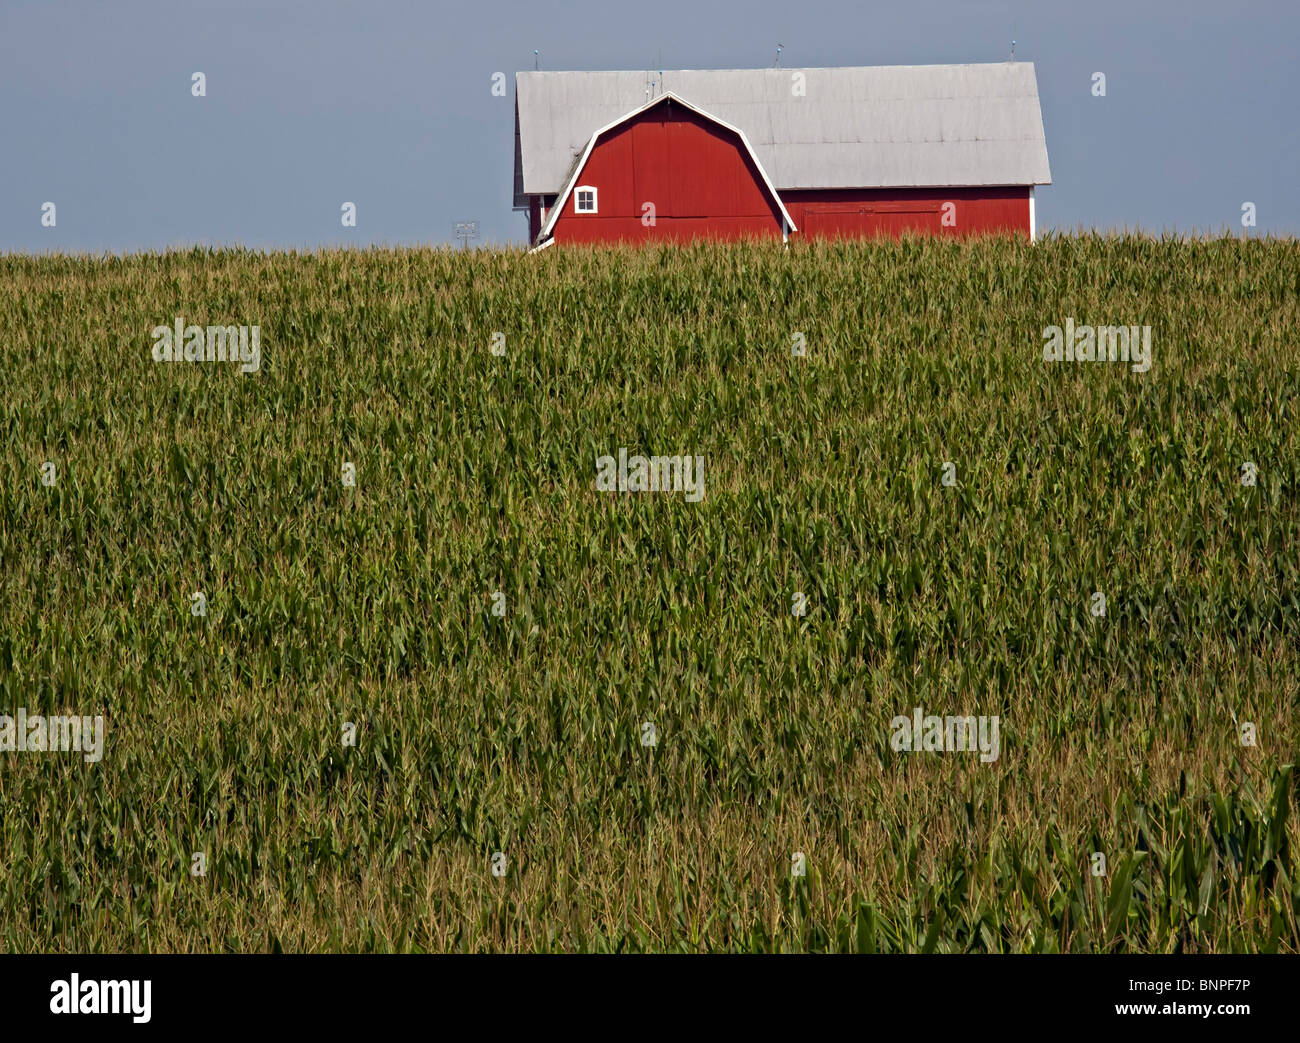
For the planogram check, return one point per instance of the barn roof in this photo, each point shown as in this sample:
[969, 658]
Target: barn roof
[865, 127]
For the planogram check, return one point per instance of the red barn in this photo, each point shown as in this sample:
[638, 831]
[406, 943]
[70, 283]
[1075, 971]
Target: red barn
[941, 149]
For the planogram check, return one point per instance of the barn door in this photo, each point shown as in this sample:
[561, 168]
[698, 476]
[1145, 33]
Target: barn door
[831, 222]
[895, 218]
[886, 217]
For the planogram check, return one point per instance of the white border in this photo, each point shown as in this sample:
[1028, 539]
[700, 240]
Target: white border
[595, 200]
[1033, 228]
[560, 200]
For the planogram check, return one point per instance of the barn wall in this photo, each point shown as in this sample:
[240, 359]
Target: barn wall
[699, 176]
[840, 213]
[534, 217]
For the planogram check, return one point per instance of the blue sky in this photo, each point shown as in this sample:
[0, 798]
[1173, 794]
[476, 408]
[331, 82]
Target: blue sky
[389, 105]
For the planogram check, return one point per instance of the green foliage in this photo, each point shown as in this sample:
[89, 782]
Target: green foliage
[521, 734]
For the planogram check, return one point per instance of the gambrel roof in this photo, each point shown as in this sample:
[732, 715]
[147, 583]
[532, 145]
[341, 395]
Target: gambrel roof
[866, 127]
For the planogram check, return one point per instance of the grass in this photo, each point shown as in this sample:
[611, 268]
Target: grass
[477, 733]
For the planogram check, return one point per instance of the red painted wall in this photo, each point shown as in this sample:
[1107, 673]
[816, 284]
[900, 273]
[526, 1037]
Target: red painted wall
[704, 184]
[537, 214]
[698, 175]
[851, 212]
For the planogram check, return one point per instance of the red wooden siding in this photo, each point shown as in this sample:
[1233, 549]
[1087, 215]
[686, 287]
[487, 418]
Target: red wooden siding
[534, 217]
[852, 212]
[698, 175]
[537, 214]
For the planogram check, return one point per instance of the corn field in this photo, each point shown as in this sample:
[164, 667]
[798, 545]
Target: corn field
[412, 713]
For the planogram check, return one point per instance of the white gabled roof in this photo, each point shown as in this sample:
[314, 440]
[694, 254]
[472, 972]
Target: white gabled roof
[576, 168]
[866, 127]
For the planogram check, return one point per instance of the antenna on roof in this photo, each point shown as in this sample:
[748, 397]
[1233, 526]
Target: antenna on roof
[537, 64]
[777, 63]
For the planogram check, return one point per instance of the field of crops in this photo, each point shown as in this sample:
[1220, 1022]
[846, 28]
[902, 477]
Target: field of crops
[361, 746]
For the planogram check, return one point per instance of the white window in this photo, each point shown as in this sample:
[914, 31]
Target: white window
[584, 200]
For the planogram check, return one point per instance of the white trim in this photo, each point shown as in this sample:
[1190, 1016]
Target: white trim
[542, 246]
[595, 200]
[562, 198]
[1033, 228]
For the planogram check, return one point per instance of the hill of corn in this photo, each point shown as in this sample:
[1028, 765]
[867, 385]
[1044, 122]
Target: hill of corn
[442, 692]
